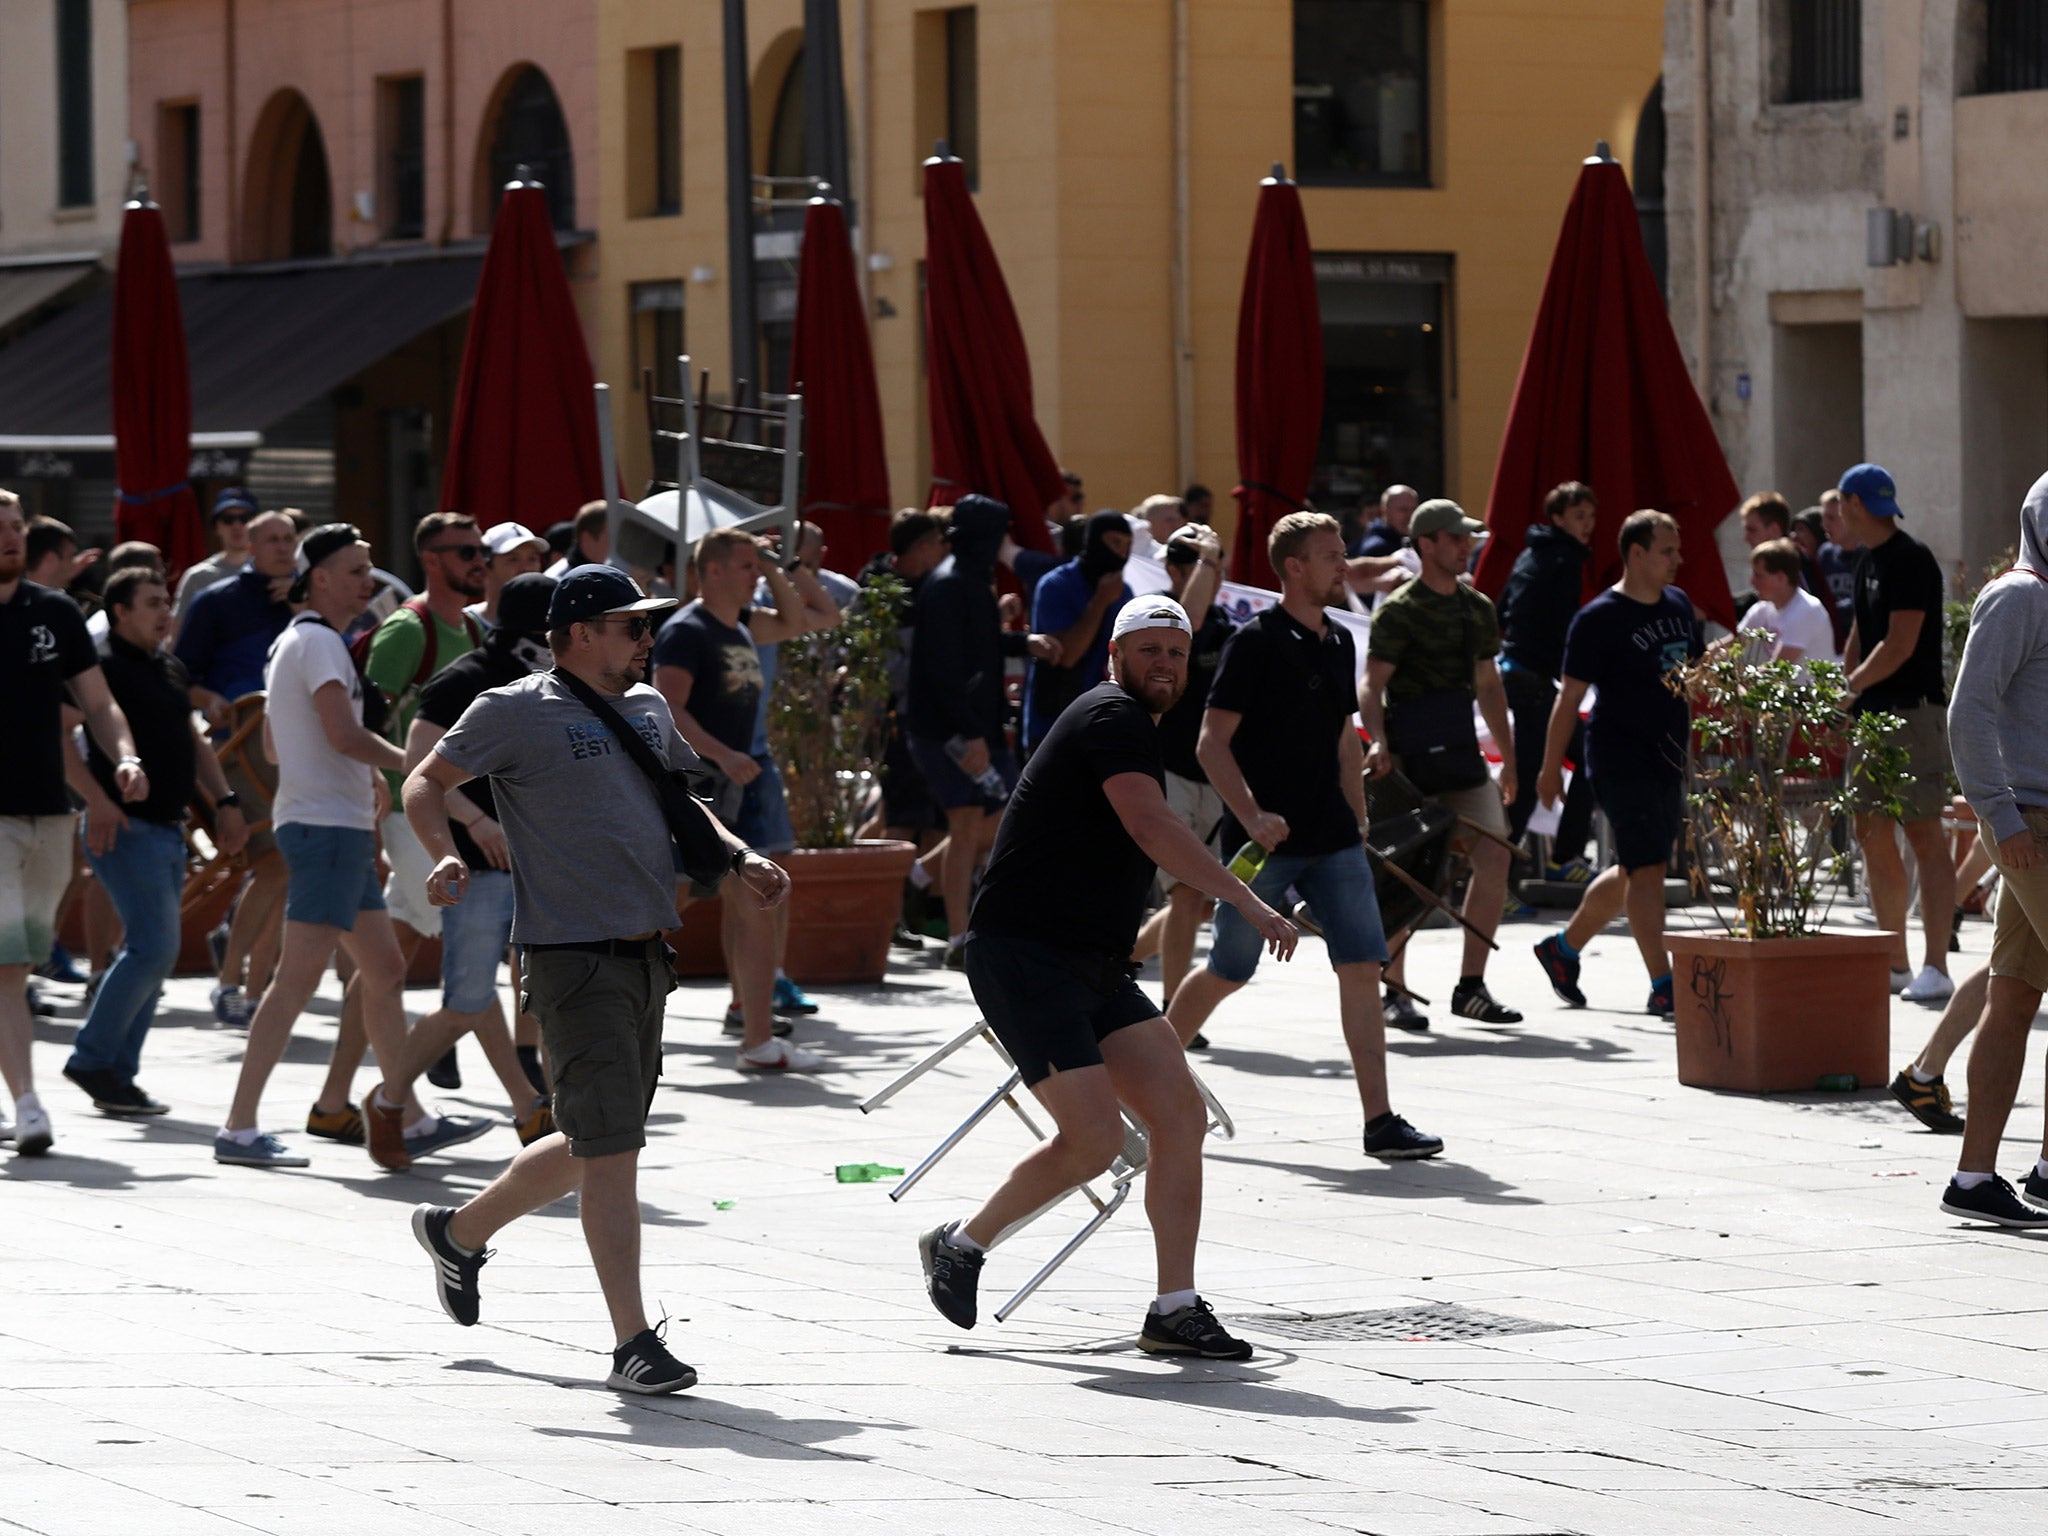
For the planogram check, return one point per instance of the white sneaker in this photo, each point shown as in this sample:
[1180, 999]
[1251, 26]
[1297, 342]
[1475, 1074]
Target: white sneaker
[1930, 986]
[1901, 980]
[781, 1056]
[32, 1136]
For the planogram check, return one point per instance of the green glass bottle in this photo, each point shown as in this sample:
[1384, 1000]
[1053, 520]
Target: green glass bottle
[1248, 861]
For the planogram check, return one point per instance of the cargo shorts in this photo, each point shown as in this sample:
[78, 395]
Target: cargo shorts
[2018, 946]
[600, 1022]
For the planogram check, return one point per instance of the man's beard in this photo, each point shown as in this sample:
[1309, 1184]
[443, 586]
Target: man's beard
[11, 566]
[1149, 695]
[633, 672]
[1334, 598]
[472, 588]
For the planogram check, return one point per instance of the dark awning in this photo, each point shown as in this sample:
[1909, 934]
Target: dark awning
[262, 343]
[27, 285]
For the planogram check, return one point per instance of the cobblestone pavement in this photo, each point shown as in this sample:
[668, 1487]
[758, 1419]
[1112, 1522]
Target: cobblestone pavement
[1741, 1314]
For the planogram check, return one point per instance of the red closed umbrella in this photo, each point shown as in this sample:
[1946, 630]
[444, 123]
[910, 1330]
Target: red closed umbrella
[1604, 397]
[152, 388]
[846, 471]
[1279, 376]
[985, 436]
[523, 445]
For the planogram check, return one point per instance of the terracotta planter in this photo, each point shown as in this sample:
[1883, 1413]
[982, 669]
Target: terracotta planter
[843, 906]
[1777, 1015]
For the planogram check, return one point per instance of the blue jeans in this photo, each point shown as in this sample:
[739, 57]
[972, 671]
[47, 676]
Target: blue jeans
[144, 876]
[1338, 888]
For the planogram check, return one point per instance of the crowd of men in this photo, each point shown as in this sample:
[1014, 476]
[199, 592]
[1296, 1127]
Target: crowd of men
[492, 762]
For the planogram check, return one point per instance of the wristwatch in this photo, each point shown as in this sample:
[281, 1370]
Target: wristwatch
[740, 858]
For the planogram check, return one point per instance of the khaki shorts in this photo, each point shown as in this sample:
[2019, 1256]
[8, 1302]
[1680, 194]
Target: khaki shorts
[405, 889]
[1481, 803]
[1924, 736]
[600, 1023]
[35, 867]
[1200, 809]
[2017, 947]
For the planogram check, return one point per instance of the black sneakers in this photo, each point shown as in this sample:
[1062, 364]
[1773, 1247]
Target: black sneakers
[103, 1088]
[1927, 1102]
[950, 1275]
[2036, 1187]
[1994, 1202]
[1193, 1330]
[454, 1270]
[1471, 1000]
[1401, 1012]
[447, 1072]
[1392, 1139]
[1561, 969]
[643, 1364]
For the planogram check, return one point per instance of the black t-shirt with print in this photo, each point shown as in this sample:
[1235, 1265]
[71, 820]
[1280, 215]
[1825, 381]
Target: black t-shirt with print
[443, 698]
[43, 645]
[724, 668]
[1065, 871]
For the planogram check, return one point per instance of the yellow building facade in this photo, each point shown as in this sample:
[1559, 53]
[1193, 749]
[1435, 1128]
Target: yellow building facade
[1117, 147]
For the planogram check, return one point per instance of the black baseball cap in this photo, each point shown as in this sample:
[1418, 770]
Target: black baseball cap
[523, 604]
[327, 539]
[592, 591]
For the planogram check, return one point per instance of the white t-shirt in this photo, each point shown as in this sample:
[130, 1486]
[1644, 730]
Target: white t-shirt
[1803, 622]
[316, 785]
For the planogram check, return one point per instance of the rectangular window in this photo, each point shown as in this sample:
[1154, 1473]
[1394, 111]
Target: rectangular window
[654, 129]
[74, 104]
[177, 169]
[1361, 92]
[2015, 47]
[657, 317]
[1817, 50]
[1385, 386]
[402, 156]
[963, 90]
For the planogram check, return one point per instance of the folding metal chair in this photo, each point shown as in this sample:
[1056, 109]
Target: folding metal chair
[1122, 1173]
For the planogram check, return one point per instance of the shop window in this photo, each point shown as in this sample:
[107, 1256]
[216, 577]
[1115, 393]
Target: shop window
[1361, 92]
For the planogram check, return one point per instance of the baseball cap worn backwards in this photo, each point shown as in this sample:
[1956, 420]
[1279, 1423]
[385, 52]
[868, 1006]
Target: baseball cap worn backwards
[523, 605]
[1151, 613]
[328, 539]
[592, 591]
[1872, 485]
[1441, 516]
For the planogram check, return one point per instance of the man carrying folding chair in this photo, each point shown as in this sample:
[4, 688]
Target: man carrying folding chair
[1051, 928]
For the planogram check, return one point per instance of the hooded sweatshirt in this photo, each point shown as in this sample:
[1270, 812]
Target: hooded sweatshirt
[1543, 596]
[1060, 599]
[958, 644]
[1998, 714]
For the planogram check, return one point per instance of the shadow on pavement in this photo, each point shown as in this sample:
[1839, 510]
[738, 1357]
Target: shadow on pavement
[420, 1183]
[1231, 1386]
[60, 1167]
[1508, 1043]
[1429, 1179]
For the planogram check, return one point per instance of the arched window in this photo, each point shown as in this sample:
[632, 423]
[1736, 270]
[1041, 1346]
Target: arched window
[288, 208]
[528, 129]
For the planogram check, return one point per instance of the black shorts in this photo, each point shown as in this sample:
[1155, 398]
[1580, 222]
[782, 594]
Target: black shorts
[1644, 815]
[906, 798]
[1051, 1007]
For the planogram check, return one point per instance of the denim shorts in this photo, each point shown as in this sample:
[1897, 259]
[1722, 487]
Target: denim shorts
[1337, 886]
[1644, 815]
[763, 823]
[474, 933]
[332, 874]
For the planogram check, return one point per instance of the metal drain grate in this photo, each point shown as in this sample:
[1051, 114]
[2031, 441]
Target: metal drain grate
[1435, 1323]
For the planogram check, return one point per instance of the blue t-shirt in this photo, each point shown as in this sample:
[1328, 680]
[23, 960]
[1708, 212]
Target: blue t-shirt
[228, 632]
[1061, 598]
[1626, 649]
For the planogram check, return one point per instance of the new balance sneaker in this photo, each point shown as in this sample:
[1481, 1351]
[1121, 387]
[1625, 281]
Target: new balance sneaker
[32, 1134]
[736, 1024]
[1393, 1140]
[231, 1008]
[1927, 1102]
[1192, 1330]
[384, 1133]
[1401, 1012]
[1992, 1202]
[1663, 1000]
[643, 1364]
[448, 1131]
[455, 1269]
[446, 1074]
[1930, 986]
[951, 1275]
[1471, 1000]
[1561, 969]
[780, 1056]
[344, 1125]
[791, 998]
[266, 1151]
[538, 1121]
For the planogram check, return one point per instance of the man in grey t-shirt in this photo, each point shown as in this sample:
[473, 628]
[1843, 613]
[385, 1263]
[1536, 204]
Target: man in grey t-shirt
[593, 886]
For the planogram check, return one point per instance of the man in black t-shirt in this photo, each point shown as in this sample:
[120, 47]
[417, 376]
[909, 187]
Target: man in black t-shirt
[1278, 744]
[1893, 659]
[1045, 954]
[46, 660]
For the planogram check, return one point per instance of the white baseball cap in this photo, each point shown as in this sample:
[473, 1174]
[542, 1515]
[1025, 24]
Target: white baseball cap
[503, 538]
[1153, 612]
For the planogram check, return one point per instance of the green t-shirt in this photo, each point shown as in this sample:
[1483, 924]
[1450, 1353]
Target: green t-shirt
[1432, 640]
[396, 647]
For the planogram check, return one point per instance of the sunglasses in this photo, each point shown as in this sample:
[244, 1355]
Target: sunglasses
[638, 625]
[459, 551]
[237, 518]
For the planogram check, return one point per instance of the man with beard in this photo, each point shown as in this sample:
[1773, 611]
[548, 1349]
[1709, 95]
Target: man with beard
[592, 869]
[1077, 604]
[1088, 827]
[1278, 744]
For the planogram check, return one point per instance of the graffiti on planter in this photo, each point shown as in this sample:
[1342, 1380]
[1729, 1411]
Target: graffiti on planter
[1708, 977]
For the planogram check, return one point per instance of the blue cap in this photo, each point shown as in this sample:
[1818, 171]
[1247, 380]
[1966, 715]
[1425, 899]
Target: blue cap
[234, 499]
[1871, 484]
[591, 591]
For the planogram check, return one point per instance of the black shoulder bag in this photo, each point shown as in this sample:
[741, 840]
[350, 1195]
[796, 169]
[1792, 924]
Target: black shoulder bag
[706, 856]
[1434, 735]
